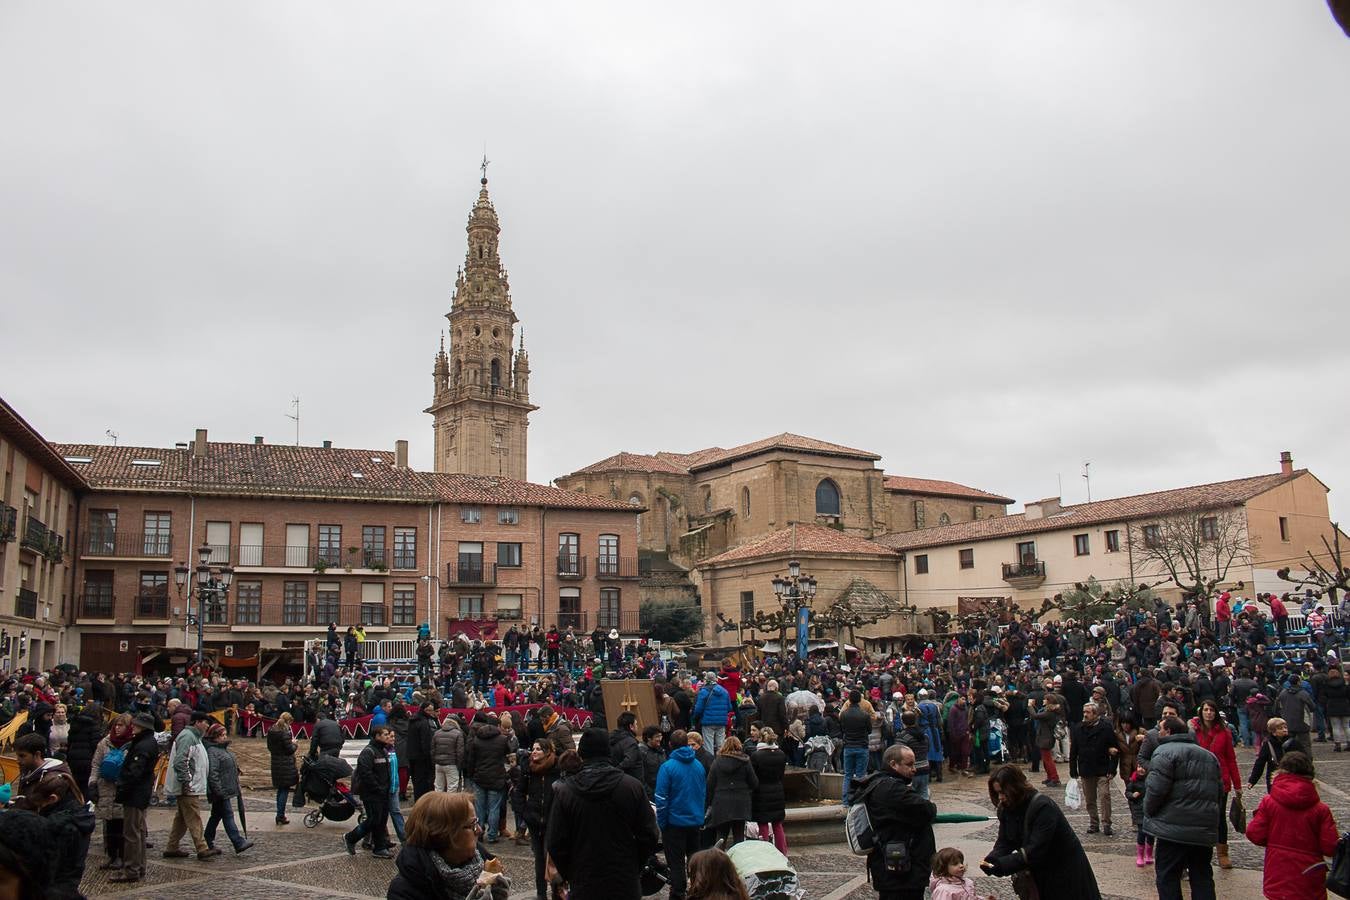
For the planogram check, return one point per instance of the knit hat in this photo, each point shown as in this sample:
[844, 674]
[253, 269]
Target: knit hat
[216, 732]
[594, 744]
[144, 720]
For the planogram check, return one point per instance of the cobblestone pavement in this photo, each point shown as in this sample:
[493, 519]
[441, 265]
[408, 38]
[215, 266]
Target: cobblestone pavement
[296, 862]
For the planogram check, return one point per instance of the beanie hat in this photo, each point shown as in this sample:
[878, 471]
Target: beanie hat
[215, 732]
[594, 744]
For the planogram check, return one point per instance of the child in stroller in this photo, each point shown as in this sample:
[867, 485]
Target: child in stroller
[321, 781]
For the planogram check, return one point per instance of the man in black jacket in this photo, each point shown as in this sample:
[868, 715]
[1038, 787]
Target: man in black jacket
[856, 726]
[1092, 759]
[623, 746]
[602, 830]
[327, 738]
[373, 783]
[899, 816]
[420, 731]
[772, 708]
[485, 758]
[135, 784]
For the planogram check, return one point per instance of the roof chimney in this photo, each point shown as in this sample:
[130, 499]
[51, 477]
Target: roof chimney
[1286, 462]
[401, 454]
[1039, 509]
[328, 445]
[257, 439]
[199, 443]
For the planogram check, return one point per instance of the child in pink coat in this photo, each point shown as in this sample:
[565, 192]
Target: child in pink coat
[949, 881]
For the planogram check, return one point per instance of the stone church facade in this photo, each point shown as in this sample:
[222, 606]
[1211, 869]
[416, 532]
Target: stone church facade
[481, 400]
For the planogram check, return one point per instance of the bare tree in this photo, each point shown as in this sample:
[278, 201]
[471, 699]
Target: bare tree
[1323, 579]
[1195, 549]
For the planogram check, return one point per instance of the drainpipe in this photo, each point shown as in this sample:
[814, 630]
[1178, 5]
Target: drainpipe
[192, 598]
[543, 558]
[433, 540]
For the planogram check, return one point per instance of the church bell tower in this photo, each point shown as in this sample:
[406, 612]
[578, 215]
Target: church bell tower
[481, 403]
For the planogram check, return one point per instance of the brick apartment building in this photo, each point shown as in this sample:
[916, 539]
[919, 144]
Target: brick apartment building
[313, 535]
[37, 518]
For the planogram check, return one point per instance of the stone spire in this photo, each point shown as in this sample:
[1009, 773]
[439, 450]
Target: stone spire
[522, 370]
[483, 281]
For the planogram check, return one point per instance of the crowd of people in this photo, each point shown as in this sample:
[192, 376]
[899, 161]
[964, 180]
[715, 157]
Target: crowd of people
[1157, 698]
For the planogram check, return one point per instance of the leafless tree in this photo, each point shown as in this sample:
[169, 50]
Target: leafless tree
[1326, 579]
[1195, 549]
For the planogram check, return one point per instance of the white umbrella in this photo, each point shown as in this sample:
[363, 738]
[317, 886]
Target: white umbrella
[805, 698]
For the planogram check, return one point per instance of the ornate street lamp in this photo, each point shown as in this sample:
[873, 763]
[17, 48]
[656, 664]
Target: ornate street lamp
[794, 593]
[212, 586]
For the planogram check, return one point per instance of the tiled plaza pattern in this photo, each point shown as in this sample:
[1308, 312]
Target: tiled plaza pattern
[298, 863]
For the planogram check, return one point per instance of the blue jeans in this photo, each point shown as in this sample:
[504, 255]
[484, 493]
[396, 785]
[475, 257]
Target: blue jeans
[222, 811]
[714, 736]
[396, 818]
[283, 794]
[921, 785]
[855, 766]
[1244, 725]
[489, 806]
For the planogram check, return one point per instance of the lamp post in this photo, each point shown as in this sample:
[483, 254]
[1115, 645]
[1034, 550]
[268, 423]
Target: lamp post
[795, 593]
[212, 586]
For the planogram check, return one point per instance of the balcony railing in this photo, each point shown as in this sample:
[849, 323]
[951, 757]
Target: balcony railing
[97, 605]
[26, 604]
[609, 567]
[571, 565]
[374, 558]
[626, 620]
[152, 605]
[575, 620]
[9, 523]
[35, 534]
[1027, 569]
[134, 544]
[470, 574]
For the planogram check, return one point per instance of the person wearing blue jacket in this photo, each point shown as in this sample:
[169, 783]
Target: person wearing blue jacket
[710, 712]
[681, 783]
[930, 717]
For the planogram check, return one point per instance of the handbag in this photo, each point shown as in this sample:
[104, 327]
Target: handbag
[1023, 882]
[1237, 814]
[1338, 873]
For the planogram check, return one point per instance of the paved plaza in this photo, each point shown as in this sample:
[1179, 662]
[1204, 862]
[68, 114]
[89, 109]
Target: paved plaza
[297, 862]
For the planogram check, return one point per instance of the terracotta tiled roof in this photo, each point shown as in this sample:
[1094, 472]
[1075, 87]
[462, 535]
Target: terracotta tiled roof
[279, 470]
[14, 427]
[784, 441]
[932, 487]
[633, 462]
[1119, 509]
[804, 539]
[687, 460]
[489, 490]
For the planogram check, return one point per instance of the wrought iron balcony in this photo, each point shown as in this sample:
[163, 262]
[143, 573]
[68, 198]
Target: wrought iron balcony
[130, 544]
[26, 604]
[152, 605]
[616, 567]
[9, 523]
[1027, 574]
[470, 574]
[625, 620]
[96, 604]
[571, 565]
[35, 534]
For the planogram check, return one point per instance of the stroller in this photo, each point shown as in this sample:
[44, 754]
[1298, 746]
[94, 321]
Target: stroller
[321, 781]
[820, 753]
[766, 873]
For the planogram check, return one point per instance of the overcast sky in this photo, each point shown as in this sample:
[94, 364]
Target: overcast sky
[987, 241]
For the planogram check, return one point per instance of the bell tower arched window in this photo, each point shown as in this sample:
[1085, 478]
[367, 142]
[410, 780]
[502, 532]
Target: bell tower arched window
[827, 498]
[745, 502]
[496, 374]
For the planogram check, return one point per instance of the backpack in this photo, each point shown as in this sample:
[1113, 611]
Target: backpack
[858, 824]
[111, 767]
[1338, 874]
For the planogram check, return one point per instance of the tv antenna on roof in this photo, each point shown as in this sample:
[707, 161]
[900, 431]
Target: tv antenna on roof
[1087, 477]
[295, 404]
[112, 436]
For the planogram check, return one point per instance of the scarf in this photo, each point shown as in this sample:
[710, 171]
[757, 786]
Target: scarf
[459, 879]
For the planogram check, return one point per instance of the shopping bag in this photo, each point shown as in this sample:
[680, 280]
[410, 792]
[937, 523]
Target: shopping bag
[1073, 794]
[1338, 874]
[1237, 814]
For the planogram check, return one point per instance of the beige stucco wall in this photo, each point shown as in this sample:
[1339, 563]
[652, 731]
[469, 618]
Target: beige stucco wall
[1302, 502]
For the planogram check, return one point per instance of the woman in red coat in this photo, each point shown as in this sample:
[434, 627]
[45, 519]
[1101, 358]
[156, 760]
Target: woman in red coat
[1298, 832]
[1211, 732]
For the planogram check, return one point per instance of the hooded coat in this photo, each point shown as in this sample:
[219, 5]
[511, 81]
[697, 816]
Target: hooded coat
[731, 787]
[447, 744]
[1297, 830]
[768, 803]
[222, 779]
[281, 751]
[136, 782]
[80, 746]
[485, 758]
[624, 752]
[681, 788]
[69, 826]
[602, 832]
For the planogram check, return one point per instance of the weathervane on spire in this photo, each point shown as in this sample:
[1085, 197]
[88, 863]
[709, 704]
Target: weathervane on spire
[483, 166]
